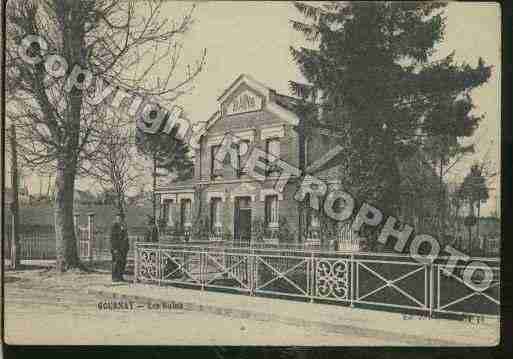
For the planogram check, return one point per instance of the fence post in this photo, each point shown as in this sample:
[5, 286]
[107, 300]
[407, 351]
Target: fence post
[90, 235]
[352, 280]
[431, 288]
[202, 269]
[14, 245]
[253, 272]
[312, 277]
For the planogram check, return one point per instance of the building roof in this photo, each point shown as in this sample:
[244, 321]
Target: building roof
[9, 193]
[244, 78]
[278, 104]
[285, 101]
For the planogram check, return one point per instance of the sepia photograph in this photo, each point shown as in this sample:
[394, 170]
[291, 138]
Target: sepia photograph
[241, 173]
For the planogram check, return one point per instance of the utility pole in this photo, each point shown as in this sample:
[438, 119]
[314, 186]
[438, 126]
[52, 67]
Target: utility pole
[15, 240]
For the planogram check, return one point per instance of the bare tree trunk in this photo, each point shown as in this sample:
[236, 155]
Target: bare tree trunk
[15, 248]
[121, 206]
[66, 243]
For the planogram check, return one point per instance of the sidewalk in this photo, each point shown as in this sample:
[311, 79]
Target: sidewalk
[392, 327]
[31, 262]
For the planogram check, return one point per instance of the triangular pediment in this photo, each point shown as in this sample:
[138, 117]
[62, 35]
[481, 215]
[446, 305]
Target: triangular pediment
[247, 80]
[244, 99]
[246, 95]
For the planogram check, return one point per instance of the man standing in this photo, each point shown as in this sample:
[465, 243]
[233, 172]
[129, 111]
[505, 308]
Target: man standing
[152, 233]
[116, 249]
[125, 246]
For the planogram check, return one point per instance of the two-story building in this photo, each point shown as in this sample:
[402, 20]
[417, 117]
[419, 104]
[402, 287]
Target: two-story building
[232, 200]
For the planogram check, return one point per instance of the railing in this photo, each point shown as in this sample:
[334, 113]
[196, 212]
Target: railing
[356, 279]
[33, 246]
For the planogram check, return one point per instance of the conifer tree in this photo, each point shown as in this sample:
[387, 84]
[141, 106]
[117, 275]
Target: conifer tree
[370, 77]
[166, 152]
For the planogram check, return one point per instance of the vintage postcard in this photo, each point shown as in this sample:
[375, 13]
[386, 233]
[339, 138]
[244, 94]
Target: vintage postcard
[252, 173]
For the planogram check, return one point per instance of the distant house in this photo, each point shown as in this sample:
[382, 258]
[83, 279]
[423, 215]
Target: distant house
[23, 196]
[140, 200]
[488, 241]
[84, 197]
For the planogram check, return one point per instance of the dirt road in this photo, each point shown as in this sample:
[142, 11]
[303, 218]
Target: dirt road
[43, 307]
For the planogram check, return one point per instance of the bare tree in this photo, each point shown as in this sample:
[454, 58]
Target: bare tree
[122, 44]
[116, 166]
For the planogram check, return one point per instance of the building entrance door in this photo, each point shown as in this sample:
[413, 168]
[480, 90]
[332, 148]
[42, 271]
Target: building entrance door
[242, 219]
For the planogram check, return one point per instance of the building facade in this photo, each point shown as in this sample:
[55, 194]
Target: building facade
[232, 204]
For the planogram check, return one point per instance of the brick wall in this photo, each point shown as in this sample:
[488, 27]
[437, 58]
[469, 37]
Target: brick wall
[289, 152]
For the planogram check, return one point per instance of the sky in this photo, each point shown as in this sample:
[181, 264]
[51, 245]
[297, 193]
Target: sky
[254, 38]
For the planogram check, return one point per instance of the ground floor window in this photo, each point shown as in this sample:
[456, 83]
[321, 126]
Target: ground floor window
[215, 213]
[271, 210]
[186, 212]
[168, 213]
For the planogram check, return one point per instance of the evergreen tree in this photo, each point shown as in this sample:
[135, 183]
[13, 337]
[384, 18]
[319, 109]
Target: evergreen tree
[443, 147]
[371, 78]
[166, 152]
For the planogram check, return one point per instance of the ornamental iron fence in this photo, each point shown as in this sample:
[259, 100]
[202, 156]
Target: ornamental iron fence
[357, 279]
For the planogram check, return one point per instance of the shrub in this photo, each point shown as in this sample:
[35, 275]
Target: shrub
[201, 229]
[227, 235]
[285, 233]
[260, 231]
